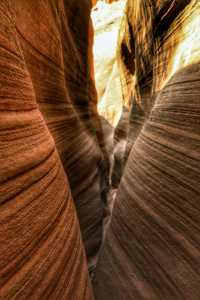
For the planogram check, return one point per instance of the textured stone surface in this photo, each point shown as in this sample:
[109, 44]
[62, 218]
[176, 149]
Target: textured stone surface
[152, 247]
[54, 159]
[49, 134]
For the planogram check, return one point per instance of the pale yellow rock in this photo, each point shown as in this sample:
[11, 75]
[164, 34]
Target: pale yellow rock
[110, 105]
[106, 19]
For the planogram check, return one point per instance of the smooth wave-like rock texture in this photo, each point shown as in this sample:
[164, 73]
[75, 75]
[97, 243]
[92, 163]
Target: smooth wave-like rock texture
[152, 247]
[49, 133]
[54, 155]
[56, 52]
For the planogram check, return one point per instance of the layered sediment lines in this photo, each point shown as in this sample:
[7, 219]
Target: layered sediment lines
[51, 151]
[54, 157]
[152, 246]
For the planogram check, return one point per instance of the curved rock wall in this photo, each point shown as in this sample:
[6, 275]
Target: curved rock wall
[152, 247]
[54, 159]
[49, 134]
[66, 97]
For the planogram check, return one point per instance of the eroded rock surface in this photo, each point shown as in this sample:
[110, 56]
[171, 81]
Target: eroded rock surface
[152, 246]
[51, 151]
[54, 155]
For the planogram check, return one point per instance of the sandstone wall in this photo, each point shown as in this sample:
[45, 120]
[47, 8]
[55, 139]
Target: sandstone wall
[51, 151]
[152, 246]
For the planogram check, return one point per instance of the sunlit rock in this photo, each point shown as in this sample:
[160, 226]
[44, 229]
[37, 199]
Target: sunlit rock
[106, 19]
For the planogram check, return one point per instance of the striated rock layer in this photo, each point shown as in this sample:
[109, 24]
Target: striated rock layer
[49, 134]
[54, 164]
[152, 247]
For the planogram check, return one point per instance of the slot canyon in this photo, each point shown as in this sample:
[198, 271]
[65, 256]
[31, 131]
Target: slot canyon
[99, 150]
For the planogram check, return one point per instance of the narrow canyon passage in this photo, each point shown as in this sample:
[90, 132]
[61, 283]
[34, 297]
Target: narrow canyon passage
[99, 150]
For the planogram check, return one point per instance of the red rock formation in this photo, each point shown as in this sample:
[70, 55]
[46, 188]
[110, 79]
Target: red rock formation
[54, 166]
[49, 132]
[111, 1]
[152, 247]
